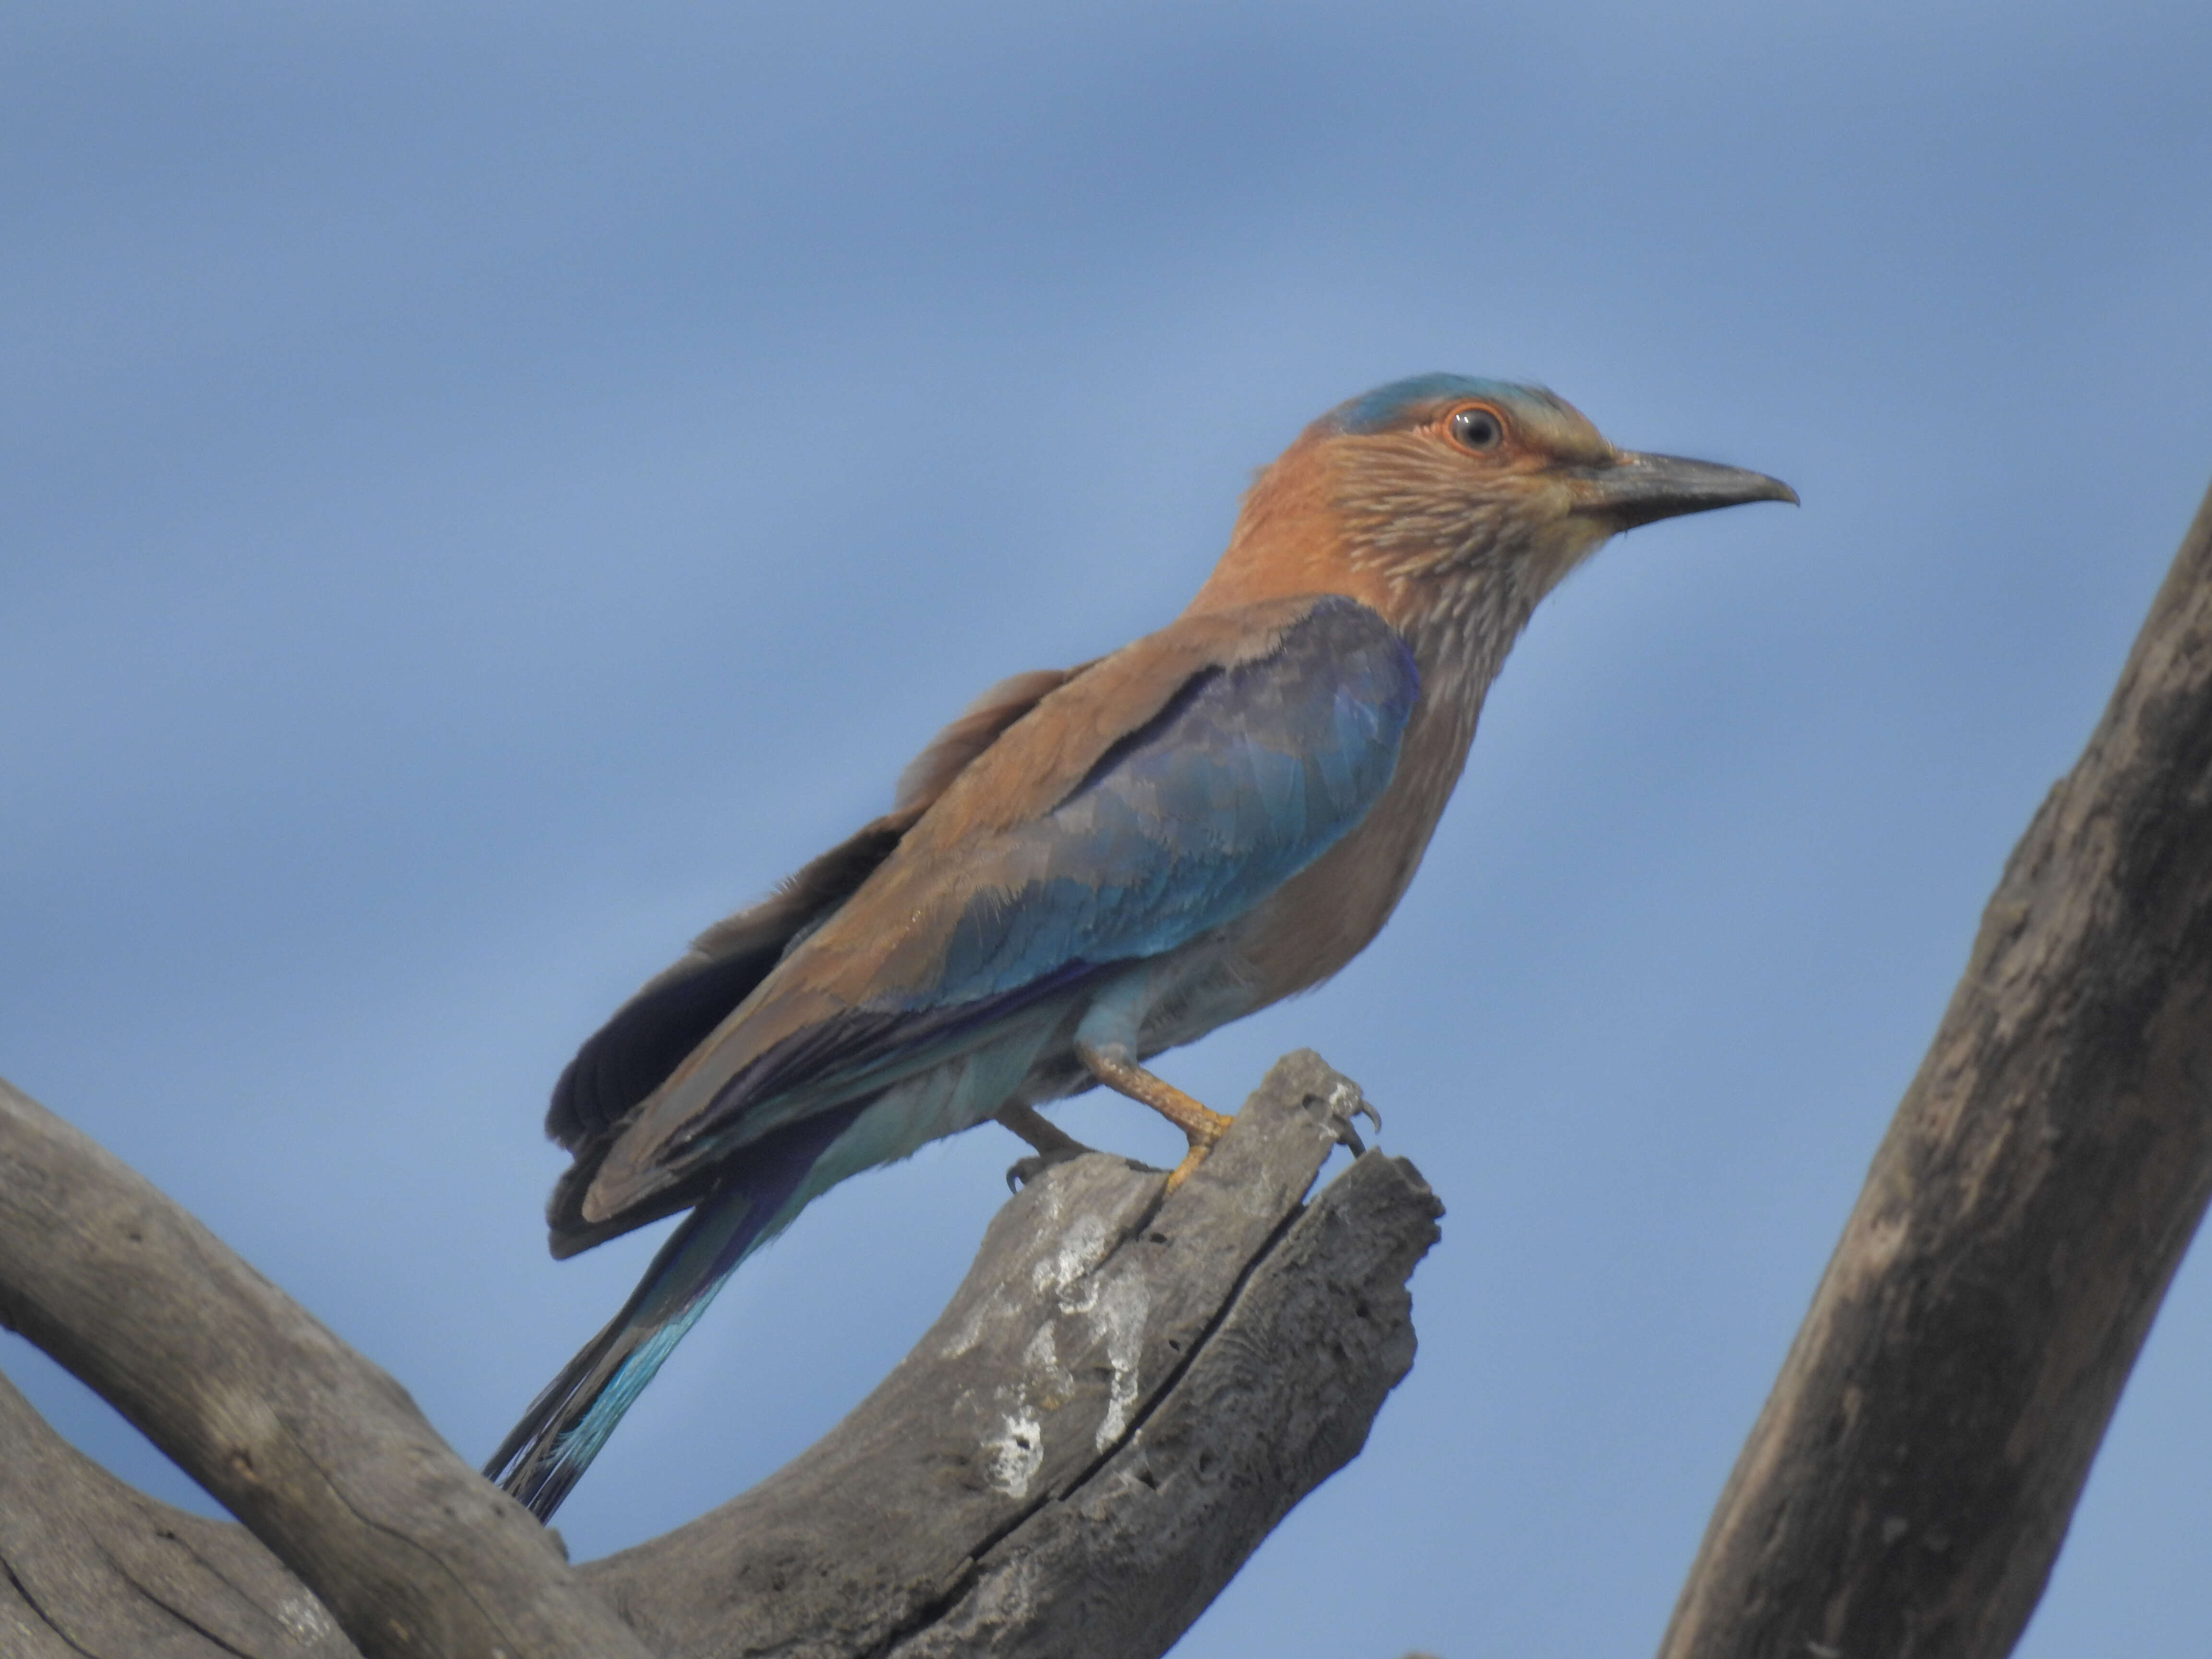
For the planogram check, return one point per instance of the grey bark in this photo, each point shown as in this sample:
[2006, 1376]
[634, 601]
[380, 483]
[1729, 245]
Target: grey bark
[1126, 1393]
[89, 1566]
[1908, 1487]
[319, 1453]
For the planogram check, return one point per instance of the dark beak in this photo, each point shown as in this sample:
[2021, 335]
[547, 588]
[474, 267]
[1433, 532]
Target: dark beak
[1634, 489]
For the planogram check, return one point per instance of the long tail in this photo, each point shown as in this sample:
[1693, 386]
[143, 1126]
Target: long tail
[567, 1424]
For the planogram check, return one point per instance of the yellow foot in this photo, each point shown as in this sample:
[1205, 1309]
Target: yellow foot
[1191, 1160]
[1201, 1124]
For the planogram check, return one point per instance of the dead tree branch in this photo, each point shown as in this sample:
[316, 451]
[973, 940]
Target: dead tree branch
[1125, 1395]
[1906, 1488]
[319, 1453]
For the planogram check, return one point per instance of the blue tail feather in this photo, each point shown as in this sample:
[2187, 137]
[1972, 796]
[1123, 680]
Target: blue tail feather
[567, 1424]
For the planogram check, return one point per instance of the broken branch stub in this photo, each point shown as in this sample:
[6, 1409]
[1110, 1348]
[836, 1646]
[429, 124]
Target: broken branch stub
[1094, 1303]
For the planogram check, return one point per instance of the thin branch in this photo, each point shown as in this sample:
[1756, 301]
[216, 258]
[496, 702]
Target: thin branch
[1910, 1481]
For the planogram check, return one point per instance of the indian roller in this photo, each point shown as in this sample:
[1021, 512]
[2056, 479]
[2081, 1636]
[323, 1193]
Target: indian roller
[1092, 866]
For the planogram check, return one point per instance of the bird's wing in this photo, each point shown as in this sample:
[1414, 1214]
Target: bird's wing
[1174, 785]
[619, 1064]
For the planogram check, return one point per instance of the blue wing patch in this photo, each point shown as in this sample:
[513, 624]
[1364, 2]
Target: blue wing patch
[1249, 775]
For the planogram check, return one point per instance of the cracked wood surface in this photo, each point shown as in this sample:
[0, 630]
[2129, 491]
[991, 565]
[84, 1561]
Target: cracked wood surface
[1279, 1398]
[1128, 1392]
[89, 1566]
[1905, 1491]
[1090, 1298]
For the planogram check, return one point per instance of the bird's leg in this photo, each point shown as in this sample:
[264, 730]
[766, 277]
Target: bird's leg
[1053, 1144]
[1111, 1064]
[1042, 1132]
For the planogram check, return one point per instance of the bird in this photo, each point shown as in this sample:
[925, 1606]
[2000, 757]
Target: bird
[1094, 864]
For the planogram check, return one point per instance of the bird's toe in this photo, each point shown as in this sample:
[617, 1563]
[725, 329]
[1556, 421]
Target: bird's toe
[1054, 1145]
[1346, 1104]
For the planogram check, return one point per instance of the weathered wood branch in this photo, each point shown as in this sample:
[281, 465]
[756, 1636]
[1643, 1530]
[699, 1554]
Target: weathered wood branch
[1906, 1488]
[1033, 1461]
[319, 1453]
[1127, 1393]
[89, 1566]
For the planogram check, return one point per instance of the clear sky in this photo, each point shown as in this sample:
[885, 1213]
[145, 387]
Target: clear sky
[488, 488]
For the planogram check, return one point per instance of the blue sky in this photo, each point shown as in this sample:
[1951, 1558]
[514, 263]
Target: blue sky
[490, 488]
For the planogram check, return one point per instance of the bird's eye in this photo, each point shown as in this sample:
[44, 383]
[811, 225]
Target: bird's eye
[1477, 428]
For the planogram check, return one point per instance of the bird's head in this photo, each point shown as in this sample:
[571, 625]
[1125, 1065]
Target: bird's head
[1444, 497]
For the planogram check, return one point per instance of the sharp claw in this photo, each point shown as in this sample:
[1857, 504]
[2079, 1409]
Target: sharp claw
[1024, 1171]
[1347, 1136]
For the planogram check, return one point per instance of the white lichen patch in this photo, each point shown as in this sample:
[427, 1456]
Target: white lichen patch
[1012, 1456]
[1042, 1354]
[1117, 1317]
[1056, 1274]
[1053, 1381]
[304, 1621]
[1082, 1249]
[1013, 1451]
